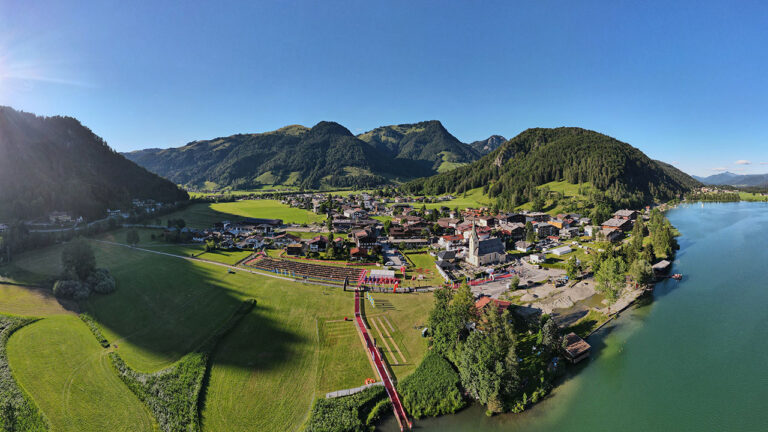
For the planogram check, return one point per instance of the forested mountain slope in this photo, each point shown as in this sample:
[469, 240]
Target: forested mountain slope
[622, 174]
[56, 163]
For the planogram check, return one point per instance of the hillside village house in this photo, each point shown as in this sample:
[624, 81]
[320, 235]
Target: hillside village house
[523, 246]
[318, 244]
[617, 224]
[625, 214]
[544, 229]
[450, 241]
[355, 213]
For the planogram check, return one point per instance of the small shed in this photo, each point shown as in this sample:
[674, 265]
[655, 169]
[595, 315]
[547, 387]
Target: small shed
[576, 348]
[562, 250]
[661, 267]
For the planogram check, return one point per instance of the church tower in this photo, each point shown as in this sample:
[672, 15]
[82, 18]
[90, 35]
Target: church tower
[474, 246]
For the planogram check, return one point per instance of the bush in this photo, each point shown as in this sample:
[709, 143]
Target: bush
[71, 289]
[91, 323]
[432, 389]
[383, 407]
[17, 411]
[347, 413]
[101, 281]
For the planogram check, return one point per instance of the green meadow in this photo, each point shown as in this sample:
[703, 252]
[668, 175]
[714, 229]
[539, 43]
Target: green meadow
[294, 346]
[204, 215]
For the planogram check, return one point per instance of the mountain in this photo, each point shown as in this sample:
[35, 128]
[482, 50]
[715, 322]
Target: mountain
[327, 155]
[731, 179]
[489, 144]
[425, 141]
[56, 163]
[623, 174]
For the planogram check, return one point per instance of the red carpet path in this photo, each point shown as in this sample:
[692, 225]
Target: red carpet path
[397, 406]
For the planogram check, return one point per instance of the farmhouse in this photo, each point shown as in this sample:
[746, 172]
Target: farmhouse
[625, 214]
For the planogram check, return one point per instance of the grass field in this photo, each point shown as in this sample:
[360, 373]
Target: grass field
[569, 190]
[472, 199]
[59, 363]
[204, 215]
[749, 196]
[292, 347]
[28, 301]
[424, 266]
[398, 320]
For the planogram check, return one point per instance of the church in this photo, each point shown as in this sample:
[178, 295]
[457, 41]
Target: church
[485, 252]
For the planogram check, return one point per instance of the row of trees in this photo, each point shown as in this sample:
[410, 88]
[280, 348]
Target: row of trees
[80, 276]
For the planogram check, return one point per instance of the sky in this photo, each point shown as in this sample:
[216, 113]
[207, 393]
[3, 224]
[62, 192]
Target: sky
[685, 82]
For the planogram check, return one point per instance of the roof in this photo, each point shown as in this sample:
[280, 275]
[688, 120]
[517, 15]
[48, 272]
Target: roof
[575, 346]
[625, 213]
[561, 250]
[258, 221]
[614, 222]
[446, 255]
[491, 245]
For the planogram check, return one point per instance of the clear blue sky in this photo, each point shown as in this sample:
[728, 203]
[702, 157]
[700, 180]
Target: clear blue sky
[686, 83]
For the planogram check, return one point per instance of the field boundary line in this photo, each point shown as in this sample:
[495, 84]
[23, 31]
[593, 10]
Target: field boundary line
[383, 339]
[394, 343]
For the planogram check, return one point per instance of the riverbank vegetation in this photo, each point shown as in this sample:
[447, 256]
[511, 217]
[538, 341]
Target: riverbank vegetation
[433, 388]
[355, 413]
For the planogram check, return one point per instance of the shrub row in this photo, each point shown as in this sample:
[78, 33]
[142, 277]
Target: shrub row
[91, 323]
[173, 394]
[353, 413]
[432, 389]
[17, 411]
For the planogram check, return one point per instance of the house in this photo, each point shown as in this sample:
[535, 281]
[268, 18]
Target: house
[294, 249]
[523, 246]
[562, 250]
[625, 214]
[514, 231]
[590, 230]
[445, 259]
[446, 223]
[285, 239]
[611, 235]
[484, 252]
[617, 224]
[252, 242]
[357, 252]
[537, 258]
[449, 241]
[355, 213]
[544, 229]
[484, 301]
[60, 217]
[486, 221]
[576, 349]
[365, 238]
[557, 223]
[318, 244]
[569, 233]
[585, 221]
[537, 217]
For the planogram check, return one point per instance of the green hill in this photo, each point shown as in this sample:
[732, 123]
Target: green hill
[426, 141]
[56, 163]
[327, 155]
[621, 175]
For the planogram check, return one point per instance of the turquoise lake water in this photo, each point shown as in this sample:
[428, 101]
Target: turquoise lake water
[693, 358]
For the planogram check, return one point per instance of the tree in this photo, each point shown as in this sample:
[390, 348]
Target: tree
[572, 268]
[530, 233]
[329, 224]
[387, 225]
[132, 237]
[641, 272]
[550, 336]
[610, 279]
[78, 259]
[638, 231]
[514, 283]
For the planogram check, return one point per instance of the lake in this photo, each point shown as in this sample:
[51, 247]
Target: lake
[693, 358]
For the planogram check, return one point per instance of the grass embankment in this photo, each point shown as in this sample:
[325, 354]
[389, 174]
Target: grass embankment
[28, 301]
[588, 323]
[17, 411]
[65, 370]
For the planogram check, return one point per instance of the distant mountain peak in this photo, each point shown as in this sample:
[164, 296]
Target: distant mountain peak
[489, 144]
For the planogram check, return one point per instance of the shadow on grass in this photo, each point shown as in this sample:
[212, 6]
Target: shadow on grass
[167, 307]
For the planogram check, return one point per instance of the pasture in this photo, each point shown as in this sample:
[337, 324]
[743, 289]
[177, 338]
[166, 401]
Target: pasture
[294, 346]
[204, 215]
[67, 373]
[474, 198]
